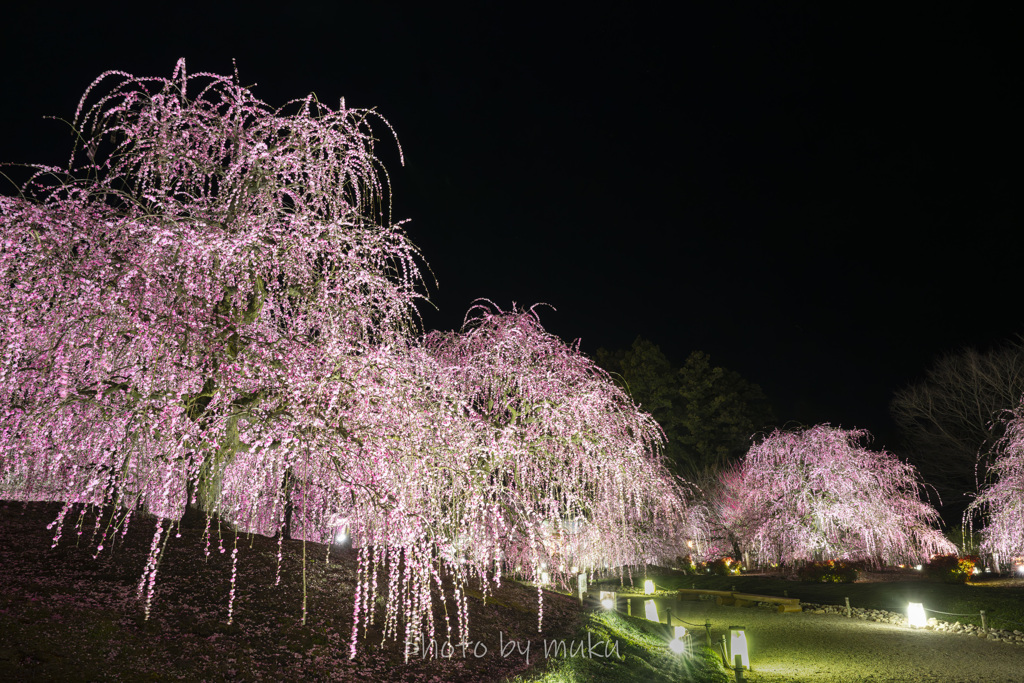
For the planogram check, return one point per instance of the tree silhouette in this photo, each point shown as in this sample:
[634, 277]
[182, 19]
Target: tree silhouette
[708, 413]
[950, 419]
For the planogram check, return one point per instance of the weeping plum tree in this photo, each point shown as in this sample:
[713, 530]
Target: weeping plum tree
[571, 464]
[1001, 503]
[193, 297]
[207, 307]
[190, 288]
[818, 494]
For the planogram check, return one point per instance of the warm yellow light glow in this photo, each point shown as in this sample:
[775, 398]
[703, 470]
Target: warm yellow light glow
[608, 599]
[738, 646]
[689, 544]
[648, 587]
[651, 610]
[916, 616]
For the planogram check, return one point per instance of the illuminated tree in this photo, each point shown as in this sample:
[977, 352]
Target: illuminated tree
[567, 457]
[208, 308]
[818, 494]
[192, 308]
[1001, 503]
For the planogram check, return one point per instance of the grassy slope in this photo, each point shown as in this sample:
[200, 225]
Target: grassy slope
[643, 656]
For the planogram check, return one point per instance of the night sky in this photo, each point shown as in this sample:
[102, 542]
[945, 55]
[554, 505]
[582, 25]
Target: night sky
[821, 200]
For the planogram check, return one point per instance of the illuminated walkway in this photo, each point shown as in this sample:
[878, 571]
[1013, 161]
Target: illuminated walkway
[819, 648]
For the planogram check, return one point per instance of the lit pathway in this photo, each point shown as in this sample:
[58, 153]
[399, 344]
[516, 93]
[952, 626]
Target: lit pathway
[819, 648]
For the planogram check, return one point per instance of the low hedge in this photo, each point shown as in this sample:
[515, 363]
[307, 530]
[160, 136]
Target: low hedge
[829, 572]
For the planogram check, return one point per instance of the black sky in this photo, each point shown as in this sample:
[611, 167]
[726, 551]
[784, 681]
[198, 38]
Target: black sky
[821, 199]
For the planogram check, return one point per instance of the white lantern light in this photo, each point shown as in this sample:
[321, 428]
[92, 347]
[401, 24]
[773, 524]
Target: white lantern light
[651, 610]
[738, 647]
[916, 616]
[608, 599]
[545, 578]
[678, 643]
[648, 587]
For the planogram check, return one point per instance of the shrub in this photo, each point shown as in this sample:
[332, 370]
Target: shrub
[724, 566]
[686, 564]
[952, 568]
[829, 572]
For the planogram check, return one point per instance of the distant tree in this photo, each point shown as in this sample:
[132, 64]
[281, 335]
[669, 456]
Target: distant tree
[708, 413]
[818, 494]
[1001, 503]
[949, 419]
[719, 413]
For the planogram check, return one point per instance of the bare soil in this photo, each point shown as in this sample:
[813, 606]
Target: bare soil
[65, 616]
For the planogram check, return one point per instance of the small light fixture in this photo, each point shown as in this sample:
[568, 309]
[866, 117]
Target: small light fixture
[651, 610]
[915, 615]
[678, 643]
[648, 587]
[918, 567]
[738, 647]
[608, 599]
[545, 578]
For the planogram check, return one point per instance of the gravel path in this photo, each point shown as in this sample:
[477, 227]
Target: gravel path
[829, 648]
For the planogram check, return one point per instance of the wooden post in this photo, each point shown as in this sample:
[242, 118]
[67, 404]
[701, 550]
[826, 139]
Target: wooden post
[849, 613]
[738, 669]
[984, 625]
[629, 607]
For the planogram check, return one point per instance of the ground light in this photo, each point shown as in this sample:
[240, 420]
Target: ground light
[678, 644]
[738, 646]
[915, 615]
[608, 599]
[648, 587]
[651, 610]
